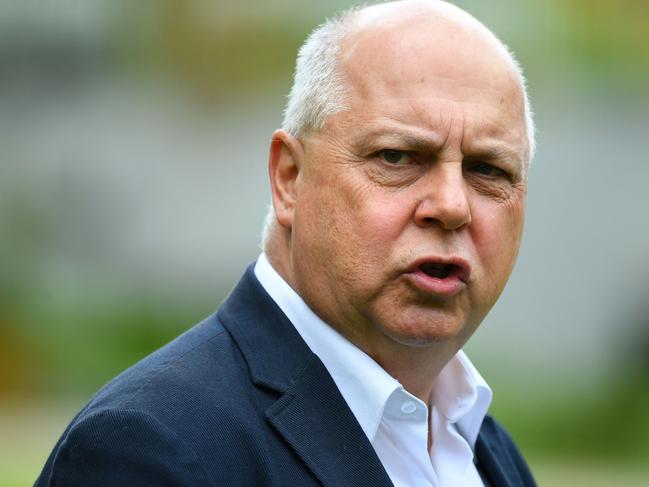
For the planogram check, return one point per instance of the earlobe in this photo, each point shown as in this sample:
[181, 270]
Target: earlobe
[284, 164]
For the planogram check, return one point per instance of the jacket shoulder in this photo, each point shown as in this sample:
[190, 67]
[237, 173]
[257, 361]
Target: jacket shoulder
[122, 447]
[498, 454]
[180, 367]
[156, 420]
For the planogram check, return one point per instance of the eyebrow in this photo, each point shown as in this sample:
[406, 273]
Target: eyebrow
[495, 150]
[431, 144]
[413, 141]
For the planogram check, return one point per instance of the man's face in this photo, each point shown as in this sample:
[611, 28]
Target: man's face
[410, 203]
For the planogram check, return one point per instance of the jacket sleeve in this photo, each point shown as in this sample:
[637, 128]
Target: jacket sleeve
[121, 447]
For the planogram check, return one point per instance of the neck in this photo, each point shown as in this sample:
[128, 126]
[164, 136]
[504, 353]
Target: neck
[276, 249]
[416, 368]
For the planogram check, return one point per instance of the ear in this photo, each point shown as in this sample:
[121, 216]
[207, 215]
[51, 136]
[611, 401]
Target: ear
[284, 164]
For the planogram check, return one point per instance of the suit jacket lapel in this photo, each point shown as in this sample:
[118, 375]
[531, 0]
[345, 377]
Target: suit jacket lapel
[494, 459]
[311, 414]
[315, 420]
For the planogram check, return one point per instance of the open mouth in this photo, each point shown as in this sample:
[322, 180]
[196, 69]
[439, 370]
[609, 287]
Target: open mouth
[439, 271]
[440, 276]
[441, 268]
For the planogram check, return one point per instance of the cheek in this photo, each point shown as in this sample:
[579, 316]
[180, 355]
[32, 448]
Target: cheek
[358, 230]
[368, 214]
[496, 233]
[381, 217]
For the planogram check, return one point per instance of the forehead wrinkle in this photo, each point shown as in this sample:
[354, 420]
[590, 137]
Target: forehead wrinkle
[413, 140]
[433, 143]
[430, 112]
[482, 142]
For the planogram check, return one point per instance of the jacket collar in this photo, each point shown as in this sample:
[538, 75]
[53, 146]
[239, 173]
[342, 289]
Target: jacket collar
[311, 414]
[273, 349]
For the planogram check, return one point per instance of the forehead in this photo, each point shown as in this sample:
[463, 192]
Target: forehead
[426, 73]
[424, 48]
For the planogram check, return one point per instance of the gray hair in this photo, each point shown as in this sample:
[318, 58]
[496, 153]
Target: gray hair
[319, 91]
[318, 87]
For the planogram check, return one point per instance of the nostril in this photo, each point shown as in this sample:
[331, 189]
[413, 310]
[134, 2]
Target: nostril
[429, 220]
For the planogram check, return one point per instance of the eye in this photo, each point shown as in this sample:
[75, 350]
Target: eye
[486, 169]
[395, 157]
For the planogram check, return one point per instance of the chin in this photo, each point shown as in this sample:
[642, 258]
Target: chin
[430, 332]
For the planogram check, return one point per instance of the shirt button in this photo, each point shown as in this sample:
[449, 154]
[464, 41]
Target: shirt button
[408, 407]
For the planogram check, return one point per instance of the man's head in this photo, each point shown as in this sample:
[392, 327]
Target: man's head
[399, 178]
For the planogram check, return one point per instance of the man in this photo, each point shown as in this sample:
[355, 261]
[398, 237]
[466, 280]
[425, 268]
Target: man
[398, 185]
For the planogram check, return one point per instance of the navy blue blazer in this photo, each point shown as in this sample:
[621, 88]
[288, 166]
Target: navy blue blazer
[238, 400]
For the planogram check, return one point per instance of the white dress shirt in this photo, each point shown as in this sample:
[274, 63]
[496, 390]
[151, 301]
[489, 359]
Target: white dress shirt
[396, 422]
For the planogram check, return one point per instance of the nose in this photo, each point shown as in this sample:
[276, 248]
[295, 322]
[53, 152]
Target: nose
[444, 201]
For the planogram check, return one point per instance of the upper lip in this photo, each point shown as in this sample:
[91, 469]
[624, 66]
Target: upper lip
[461, 268]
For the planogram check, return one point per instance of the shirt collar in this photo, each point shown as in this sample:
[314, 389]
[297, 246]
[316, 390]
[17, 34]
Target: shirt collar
[460, 394]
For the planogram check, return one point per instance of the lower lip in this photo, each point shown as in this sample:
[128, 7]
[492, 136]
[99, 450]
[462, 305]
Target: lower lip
[448, 286]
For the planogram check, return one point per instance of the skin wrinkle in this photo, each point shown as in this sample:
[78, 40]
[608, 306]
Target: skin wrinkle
[426, 144]
[499, 147]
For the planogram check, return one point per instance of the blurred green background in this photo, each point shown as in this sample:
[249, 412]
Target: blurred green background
[133, 187]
